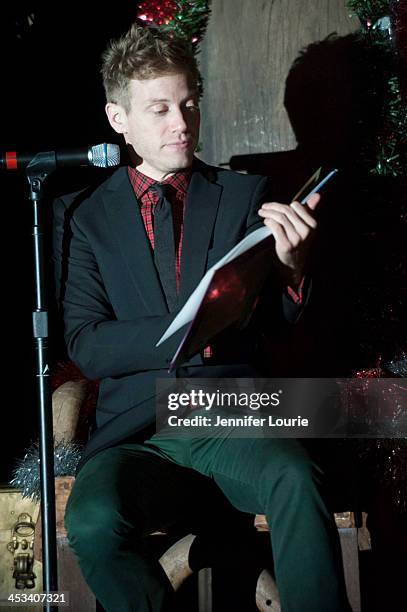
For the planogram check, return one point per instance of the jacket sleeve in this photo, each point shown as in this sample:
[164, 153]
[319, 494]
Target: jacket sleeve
[99, 344]
[291, 309]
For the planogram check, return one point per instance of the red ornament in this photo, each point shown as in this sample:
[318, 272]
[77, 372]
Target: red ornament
[371, 373]
[158, 11]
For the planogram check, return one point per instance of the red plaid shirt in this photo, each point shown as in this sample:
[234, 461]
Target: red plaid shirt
[177, 196]
[296, 294]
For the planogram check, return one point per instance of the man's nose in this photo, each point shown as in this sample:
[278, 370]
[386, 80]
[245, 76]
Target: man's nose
[178, 121]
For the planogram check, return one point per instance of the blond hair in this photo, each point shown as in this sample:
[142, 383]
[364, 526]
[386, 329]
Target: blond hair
[144, 53]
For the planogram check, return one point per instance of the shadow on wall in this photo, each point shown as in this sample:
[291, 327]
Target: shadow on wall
[334, 96]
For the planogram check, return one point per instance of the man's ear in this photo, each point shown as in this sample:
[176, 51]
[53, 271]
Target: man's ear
[117, 117]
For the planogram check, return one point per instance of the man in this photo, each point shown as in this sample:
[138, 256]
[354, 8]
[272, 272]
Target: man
[119, 294]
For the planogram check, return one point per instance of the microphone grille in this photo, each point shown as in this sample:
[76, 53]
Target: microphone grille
[105, 155]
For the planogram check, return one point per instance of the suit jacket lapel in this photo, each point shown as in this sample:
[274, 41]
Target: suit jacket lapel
[200, 214]
[126, 221]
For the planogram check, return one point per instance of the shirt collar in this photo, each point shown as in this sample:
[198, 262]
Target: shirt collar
[142, 183]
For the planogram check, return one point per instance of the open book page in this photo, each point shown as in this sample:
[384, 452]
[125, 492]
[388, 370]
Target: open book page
[231, 298]
[191, 306]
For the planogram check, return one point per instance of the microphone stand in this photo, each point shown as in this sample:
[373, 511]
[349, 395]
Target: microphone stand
[37, 171]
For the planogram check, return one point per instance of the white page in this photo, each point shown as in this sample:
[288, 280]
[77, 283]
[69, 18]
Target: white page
[190, 308]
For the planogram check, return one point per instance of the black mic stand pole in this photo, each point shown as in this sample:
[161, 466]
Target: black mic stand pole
[37, 171]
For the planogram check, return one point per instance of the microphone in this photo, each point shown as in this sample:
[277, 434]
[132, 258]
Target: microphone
[103, 156]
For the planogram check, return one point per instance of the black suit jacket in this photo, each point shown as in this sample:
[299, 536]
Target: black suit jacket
[113, 306]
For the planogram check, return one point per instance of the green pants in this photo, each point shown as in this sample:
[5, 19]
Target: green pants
[128, 490]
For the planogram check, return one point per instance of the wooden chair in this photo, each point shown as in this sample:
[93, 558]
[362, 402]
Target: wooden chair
[69, 419]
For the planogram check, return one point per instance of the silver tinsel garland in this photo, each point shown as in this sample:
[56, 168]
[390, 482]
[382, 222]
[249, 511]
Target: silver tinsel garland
[398, 367]
[26, 475]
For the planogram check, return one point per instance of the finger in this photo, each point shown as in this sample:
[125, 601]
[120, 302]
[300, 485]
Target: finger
[278, 233]
[293, 211]
[312, 201]
[306, 216]
[273, 206]
[299, 220]
[290, 230]
[294, 225]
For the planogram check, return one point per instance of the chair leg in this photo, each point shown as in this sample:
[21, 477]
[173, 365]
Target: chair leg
[350, 554]
[70, 579]
[205, 590]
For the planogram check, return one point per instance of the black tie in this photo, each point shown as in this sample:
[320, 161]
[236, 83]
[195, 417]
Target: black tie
[164, 244]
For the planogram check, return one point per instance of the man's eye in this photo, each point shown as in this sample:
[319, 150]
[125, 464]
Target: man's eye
[193, 106]
[159, 110]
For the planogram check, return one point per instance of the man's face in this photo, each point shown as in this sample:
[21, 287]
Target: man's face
[163, 123]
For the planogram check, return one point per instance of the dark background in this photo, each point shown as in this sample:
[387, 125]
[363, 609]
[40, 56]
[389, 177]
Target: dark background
[52, 98]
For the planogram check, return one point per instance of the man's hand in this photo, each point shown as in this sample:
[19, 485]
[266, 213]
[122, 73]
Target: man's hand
[293, 227]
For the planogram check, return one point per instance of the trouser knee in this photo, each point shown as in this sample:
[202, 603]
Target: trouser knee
[93, 526]
[297, 477]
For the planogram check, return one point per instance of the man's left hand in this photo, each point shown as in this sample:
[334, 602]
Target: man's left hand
[293, 227]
